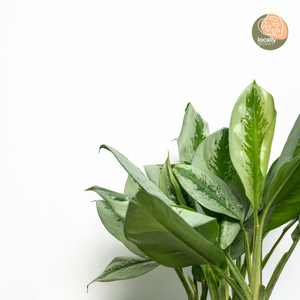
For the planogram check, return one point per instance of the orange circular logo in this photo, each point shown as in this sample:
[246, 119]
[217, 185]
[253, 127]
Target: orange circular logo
[270, 32]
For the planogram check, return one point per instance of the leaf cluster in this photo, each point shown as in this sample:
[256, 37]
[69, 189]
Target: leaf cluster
[212, 209]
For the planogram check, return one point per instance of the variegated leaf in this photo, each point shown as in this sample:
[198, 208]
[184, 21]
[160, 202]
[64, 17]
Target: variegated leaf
[193, 131]
[213, 155]
[123, 267]
[251, 132]
[138, 175]
[115, 226]
[209, 190]
[118, 202]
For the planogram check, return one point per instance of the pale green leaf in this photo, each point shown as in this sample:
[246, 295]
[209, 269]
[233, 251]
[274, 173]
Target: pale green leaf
[123, 267]
[153, 173]
[131, 187]
[251, 132]
[115, 226]
[138, 175]
[118, 202]
[205, 225]
[193, 131]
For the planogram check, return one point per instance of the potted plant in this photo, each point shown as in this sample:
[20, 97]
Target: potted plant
[211, 210]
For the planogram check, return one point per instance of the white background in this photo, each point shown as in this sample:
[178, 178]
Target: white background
[77, 74]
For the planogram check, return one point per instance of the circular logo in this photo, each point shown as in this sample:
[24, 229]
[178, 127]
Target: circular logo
[269, 32]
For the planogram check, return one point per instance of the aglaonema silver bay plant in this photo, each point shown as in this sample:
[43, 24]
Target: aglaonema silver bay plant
[212, 209]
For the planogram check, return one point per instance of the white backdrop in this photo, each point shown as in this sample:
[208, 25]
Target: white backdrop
[76, 74]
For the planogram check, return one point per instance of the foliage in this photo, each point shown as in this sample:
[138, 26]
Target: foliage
[211, 210]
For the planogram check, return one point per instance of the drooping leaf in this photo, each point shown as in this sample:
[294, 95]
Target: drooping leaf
[251, 132]
[153, 173]
[123, 267]
[193, 131]
[165, 237]
[115, 226]
[208, 190]
[285, 165]
[118, 202]
[138, 175]
[131, 187]
[213, 155]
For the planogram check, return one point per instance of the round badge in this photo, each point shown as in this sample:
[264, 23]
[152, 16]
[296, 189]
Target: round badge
[269, 32]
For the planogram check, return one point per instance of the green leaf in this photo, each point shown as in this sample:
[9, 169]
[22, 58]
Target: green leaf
[208, 190]
[251, 132]
[213, 155]
[287, 201]
[131, 187]
[238, 245]
[193, 131]
[124, 267]
[118, 202]
[165, 183]
[198, 273]
[165, 237]
[284, 166]
[229, 229]
[115, 226]
[205, 225]
[153, 173]
[138, 175]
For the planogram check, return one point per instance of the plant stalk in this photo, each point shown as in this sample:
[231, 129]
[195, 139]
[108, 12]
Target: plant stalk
[185, 284]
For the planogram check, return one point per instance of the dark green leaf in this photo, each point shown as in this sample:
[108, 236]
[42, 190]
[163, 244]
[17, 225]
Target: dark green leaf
[165, 237]
[208, 190]
[285, 165]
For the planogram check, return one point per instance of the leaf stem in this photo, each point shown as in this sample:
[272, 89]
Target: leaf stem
[279, 268]
[285, 229]
[247, 253]
[185, 284]
[257, 246]
[242, 290]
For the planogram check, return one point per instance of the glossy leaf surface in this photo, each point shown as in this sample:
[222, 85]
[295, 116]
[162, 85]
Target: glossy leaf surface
[115, 226]
[124, 267]
[165, 237]
[209, 190]
[193, 131]
[138, 175]
[251, 132]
